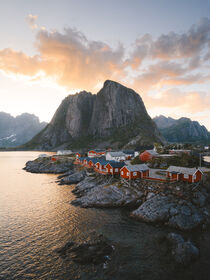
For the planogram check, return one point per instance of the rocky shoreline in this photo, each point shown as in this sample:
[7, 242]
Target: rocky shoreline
[180, 206]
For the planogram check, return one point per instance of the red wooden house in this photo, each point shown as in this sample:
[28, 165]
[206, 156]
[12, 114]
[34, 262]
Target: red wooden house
[147, 155]
[92, 162]
[100, 166]
[113, 168]
[184, 174]
[134, 171]
[96, 153]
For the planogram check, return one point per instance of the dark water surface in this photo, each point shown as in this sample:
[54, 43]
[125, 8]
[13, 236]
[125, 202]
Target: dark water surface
[36, 218]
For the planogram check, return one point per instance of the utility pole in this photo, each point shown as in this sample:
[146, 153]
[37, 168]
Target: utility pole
[200, 158]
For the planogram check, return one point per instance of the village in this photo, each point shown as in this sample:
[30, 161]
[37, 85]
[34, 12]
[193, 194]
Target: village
[122, 164]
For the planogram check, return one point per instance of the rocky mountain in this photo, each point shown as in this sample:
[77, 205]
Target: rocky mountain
[164, 122]
[19, 130]
[115, 116]
[182, 130]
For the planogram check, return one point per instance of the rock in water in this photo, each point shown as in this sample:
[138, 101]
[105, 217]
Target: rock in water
[94, 251]
[115, 116]
[183, 252]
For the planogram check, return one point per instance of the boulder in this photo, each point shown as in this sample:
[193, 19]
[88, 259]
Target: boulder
[156, 209]
[107, 195]
[73, 179]
[94, 251]
[186, 222]
[182, 252]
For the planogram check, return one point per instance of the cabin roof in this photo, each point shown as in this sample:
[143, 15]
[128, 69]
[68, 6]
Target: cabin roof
[183, 170]
[116, 154]
[103, 161]
[97, 150]
[95, 160]
[116, 164]
[137, 167]
[129, 152]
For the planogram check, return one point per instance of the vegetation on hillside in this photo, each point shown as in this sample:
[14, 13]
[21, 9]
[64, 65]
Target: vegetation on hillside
[183, 160]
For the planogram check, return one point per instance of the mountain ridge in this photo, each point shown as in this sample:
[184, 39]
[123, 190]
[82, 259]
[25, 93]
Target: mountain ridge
[15, 131]
[115, 116]
[182, 130]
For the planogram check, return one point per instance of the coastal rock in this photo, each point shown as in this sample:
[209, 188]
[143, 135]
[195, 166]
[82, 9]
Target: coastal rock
[73, 178]
[94, 251]
[84, 186]
[183, 252]
[186, 222]
[162, 209]
[46, 165]
[67, 173]
[156, 209]
[106, 195]
[199, 199]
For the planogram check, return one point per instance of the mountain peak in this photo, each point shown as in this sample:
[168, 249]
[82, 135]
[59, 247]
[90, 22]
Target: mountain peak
[112, 117]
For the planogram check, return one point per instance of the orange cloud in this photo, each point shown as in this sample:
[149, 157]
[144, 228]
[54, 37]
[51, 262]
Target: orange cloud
[75, 62]
[70, 58]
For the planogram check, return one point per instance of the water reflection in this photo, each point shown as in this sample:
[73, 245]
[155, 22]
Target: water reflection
[36, 217]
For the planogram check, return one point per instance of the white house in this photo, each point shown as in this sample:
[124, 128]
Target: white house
[64, 152]
[117, 156]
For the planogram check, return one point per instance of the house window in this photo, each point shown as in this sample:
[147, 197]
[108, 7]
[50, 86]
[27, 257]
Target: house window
[116, 169]
[185, 176]
[134, 173]
[121, 172]
[127, 173]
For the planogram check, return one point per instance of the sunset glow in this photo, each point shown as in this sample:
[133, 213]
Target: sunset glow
[169, 68]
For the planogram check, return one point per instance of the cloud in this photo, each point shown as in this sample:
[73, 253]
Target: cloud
[69, 57]
[191, 102]
[31, 20]
[157, 66]
[172, 45]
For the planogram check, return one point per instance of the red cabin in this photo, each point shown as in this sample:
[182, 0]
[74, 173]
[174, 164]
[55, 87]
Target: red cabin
[134, 171]
[96, 153]
[113, 168]
[147, 155]
[184, 174]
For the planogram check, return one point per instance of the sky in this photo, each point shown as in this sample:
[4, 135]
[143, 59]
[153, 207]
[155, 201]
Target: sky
[52, 48]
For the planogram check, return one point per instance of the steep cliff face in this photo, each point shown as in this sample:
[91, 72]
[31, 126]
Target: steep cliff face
[116, 117]
[116, 106]
[182, 130]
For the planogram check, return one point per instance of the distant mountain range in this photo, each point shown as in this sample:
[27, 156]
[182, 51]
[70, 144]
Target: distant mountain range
[114, 117]
[182, 130]
[18, 130]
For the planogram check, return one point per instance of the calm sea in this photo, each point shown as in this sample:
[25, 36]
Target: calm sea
[36, 217]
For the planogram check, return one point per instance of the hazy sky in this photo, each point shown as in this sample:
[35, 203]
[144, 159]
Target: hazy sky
[52, 48]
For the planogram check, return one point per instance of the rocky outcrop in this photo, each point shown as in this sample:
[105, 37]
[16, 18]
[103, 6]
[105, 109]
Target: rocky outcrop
[168, 211]
[46, 165]
[155, 209]
[115, 116]
[183, 252]
[91, 193]
[96, 250]
[74, 178]
[182, 130]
